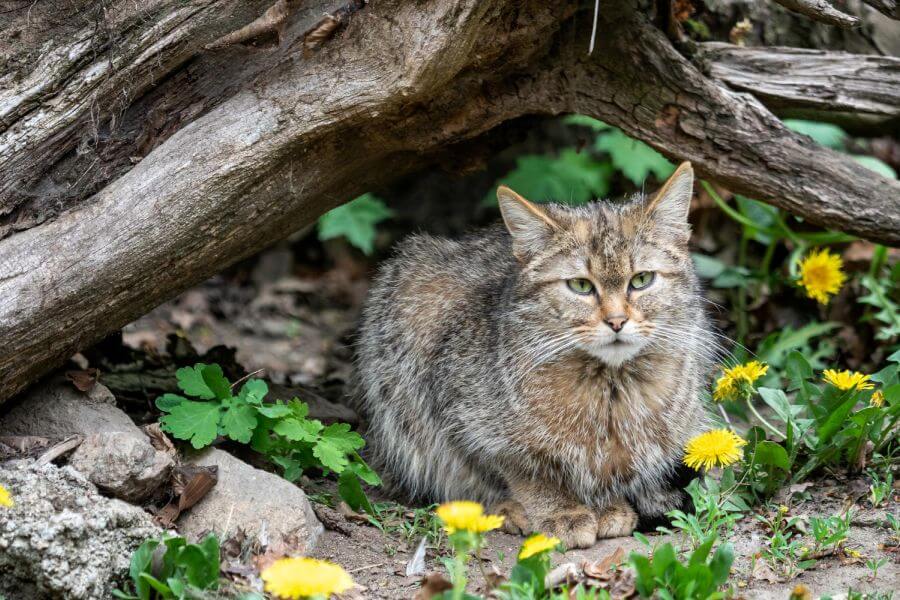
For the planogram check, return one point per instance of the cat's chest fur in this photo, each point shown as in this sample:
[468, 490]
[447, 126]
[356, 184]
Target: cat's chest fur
[609, 424]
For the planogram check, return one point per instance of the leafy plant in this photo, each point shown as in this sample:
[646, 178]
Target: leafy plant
[883, 285]
[717, 506]
[667, 577]
[183, 569]
[355, 221]
[874, 565]
[785, 551]
[829, 531]
[281, 431]
[879, 490]
[577, 176]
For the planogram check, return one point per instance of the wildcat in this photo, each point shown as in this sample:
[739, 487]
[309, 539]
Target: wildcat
[550, 370]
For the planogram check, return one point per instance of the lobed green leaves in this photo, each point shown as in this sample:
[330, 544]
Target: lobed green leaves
[281, 431]
[356, 221]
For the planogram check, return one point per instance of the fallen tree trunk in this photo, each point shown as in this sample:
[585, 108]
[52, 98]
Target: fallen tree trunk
[227, 161]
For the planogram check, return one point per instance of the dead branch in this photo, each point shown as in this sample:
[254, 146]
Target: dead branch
[820, 10]
[817, 84]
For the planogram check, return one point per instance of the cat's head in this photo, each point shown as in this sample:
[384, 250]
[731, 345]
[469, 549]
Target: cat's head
[610, 279]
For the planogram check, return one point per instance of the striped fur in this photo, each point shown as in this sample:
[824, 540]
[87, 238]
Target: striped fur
[483, 376]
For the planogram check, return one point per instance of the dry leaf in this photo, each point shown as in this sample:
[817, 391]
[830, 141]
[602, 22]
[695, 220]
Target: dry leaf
[601, 568]
[158, 439]
[84, 380]
[197, 487]
[350, 514]
[432, 585]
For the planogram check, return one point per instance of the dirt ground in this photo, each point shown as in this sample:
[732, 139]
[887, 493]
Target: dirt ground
[295, 325]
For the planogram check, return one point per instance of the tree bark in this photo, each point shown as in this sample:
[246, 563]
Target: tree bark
[221, 152]
[848, 89]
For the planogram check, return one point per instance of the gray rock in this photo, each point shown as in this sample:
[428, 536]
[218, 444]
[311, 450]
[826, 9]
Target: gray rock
[122, 464]
[261, 504]
[62, 539]
[54, 408]
[115, 455]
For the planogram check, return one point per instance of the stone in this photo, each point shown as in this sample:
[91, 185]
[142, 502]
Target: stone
[115, 454]
[62, 539]
[122, 464]
[262, 505]
[54, 408]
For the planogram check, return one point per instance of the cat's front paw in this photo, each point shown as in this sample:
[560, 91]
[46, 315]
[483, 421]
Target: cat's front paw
[515, 521]
[575, 527]
[616, 520]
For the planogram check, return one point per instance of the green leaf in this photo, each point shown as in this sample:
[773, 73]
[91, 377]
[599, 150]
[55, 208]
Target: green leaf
[707, 267]
[191, 382]
[140, 562]
[156, 584]
[201, 570]
[633, 158]
[356, 221]
[836, 419]
[876, 165]
[341, 437]
[720, 565]
[239, 421]
[352, 493]
[330, 456]
[291, 467]
[644, 580]
[274, 411]
[771, 453]
[572, 177]
[197, 422]
[830, 136]
[298, 431]
[167, 402]
[254, 391]
[363, 471]
[215, 381]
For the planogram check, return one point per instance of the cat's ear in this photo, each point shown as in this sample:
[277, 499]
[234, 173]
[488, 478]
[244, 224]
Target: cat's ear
[529, 226]
[672, 202]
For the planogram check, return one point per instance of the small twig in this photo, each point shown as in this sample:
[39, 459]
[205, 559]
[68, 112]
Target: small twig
[363, 568]
[594, 28]
[57, 450]
[822, 11]
[246, 377]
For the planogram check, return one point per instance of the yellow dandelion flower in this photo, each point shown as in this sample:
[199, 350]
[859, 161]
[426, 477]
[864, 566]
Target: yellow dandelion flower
[716, 447]
[822, 275]
[847, 380]
[536, 544]
[877, 399]
[6, 498]
[800, 592]
[303, 577]
[464, 515]
[737, 380]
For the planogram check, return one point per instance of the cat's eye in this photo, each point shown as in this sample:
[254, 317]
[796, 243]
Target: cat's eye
[580, 286]
[641, 280]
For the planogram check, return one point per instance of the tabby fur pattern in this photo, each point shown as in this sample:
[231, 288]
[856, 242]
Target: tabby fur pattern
[484, 376]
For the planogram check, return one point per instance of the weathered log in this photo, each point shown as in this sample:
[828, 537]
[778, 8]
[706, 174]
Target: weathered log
[289, 136]
[820, 10]
[814, 84]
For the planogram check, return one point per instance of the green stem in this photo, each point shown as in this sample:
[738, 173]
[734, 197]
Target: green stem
[768, 425]
[878, 257]
[743, 322]
[459, 581]
[735, 215]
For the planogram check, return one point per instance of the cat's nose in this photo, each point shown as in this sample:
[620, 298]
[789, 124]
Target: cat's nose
[616, 322]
